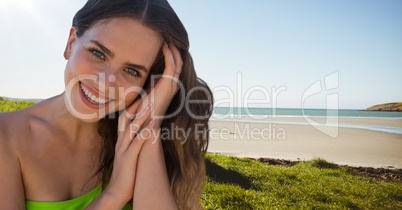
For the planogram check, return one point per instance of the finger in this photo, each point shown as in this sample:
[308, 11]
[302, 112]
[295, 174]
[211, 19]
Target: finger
[133, 128]
[173, 66]
[170, 65]
[131, 111]
[125, 118]
[128, 115]
[177, 60]
[139, 140]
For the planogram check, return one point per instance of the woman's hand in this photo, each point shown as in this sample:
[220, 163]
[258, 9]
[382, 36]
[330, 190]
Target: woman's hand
[129, 143]
[167, 86]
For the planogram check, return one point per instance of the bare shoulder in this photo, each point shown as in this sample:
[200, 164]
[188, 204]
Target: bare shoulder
[16, 126]
[12, 190]
[13, 125]
[23, 130]
[19, 134]
[15, 130]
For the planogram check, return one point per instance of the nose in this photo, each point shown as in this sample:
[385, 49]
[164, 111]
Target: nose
[106, 81]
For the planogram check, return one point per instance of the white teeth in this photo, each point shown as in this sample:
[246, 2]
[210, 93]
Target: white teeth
[91, 97]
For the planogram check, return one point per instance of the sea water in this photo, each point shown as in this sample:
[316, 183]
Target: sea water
[283, 112]
[307, 113]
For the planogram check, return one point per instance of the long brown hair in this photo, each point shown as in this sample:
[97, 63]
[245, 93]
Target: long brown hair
[183, 153]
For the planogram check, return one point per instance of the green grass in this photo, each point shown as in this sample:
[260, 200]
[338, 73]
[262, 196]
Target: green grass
[314, 184]
[10, 106]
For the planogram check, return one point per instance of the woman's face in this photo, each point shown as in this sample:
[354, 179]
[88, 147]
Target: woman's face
[108, 66]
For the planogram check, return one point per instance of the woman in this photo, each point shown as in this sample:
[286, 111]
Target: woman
[102, 144]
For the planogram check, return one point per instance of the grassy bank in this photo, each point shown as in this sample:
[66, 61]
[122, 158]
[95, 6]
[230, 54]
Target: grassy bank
[9, 106]
[242, 183]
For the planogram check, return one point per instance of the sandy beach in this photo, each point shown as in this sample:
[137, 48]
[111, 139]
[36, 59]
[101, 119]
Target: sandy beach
[274, 138]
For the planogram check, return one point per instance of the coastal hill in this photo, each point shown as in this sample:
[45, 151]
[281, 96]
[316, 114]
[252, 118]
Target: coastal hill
[393, 107]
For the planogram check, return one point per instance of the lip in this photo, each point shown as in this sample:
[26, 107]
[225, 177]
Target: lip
[93, 92]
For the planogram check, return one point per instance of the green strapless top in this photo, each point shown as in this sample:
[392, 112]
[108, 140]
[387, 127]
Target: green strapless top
[76, 203]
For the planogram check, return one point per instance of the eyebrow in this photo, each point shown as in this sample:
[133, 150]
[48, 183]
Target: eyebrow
[111, 54]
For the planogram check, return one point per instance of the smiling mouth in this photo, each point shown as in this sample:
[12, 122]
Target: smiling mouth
[93, 99]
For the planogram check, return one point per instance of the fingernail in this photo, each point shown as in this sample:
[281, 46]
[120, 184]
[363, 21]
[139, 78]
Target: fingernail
[166, 45]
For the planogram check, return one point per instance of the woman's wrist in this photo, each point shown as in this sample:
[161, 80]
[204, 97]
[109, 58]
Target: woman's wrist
[154, 182]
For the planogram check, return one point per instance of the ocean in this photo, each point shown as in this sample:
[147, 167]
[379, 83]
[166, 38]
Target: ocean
[288, 112]
[230, 113]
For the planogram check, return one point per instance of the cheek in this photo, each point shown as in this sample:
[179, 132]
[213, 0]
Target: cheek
[69, 73]
[77, 65]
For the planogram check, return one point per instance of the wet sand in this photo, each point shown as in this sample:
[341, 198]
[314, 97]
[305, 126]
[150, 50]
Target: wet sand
[346, 146]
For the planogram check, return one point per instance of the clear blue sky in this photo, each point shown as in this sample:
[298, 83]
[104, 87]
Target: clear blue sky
[270, 44]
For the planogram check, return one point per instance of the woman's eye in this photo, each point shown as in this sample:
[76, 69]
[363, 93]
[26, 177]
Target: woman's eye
[132, 72]
[97, 54]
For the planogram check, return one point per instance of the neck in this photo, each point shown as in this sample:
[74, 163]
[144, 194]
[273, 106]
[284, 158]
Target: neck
[75, 128]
